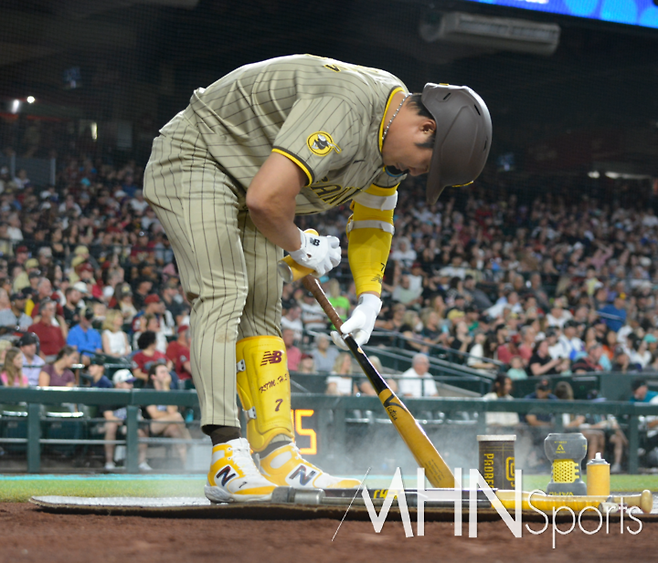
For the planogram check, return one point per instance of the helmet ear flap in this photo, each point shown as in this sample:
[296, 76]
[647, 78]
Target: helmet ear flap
[463, 136]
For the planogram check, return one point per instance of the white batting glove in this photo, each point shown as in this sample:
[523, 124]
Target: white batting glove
[362, 321]
[318, 253]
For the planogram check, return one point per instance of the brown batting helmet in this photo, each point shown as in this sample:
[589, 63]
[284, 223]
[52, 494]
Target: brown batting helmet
[463, 136]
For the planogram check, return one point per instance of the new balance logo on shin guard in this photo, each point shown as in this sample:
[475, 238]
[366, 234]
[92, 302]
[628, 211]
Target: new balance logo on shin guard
[273, 357]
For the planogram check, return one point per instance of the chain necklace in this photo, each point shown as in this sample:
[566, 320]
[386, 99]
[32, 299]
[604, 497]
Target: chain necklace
[392, 118]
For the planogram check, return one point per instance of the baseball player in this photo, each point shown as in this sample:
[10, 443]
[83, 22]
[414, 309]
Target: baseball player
[287, 136]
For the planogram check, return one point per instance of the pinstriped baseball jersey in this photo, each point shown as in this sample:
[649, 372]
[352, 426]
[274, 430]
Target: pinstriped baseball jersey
[325, 115]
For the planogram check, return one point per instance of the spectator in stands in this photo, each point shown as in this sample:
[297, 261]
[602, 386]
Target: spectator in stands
[637, 351]
[411, 330]
[542, 392]
[178, 351]
[97, 377]
[44, 291]
[526, 347]
[114, 339]
[509, 346]
[5, 344]
[152, 306]
[166, 420]
[417, 381]
[340, 381]
[32, 362]
[338, 299]
[15, 316]
[306, 364]
[313, 317]
[614, 314]
[147, 355]
[324, 354]
[569, 343]
[72, 308]
[432, 332]
[461, 340]
[589, 362]
[123, 296]
[558, 314]
[152, 323]
[621, 362]
[115, 417]
[403, 252]
[517, 369]
[51, 333]
[292, 320]
[12, 371]
[404, 292]
[500, 391]
[293, 354]
[59, 374]
[476, 358]
[142, 291]
[542, 364]
[364, 385]
[641, 393]
[478, 297]
[85, 338]
[395, 321]
[173, 302]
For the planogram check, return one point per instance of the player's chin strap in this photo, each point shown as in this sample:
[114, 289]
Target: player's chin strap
[264, 390]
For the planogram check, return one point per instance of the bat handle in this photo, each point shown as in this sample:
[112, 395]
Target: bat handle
[313, 285]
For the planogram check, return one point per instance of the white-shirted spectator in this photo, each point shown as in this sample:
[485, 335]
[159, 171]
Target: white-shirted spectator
[417, 381]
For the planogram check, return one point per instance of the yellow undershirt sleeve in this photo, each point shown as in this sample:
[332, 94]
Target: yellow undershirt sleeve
[370, 232]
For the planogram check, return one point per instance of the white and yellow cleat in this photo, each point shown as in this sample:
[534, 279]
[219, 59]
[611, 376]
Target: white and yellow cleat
[286, 467]
[233, 476]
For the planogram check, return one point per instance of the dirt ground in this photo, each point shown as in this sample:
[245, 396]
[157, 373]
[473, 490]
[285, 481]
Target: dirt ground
[28, 534]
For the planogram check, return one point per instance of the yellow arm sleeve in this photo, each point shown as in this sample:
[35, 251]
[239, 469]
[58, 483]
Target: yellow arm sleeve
[369, 232]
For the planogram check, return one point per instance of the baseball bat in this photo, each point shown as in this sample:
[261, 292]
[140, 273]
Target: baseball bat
[436, 470]
[546, 503]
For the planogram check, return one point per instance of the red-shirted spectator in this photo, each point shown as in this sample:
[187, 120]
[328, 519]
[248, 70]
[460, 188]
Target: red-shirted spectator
[178, 352]
[50, 332]
[147, 354]
[293, 353]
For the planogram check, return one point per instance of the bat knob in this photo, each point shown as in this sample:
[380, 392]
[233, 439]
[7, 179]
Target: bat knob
[646, 501]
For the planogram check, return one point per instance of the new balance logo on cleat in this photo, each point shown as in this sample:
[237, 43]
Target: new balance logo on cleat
[271, 357]
[303, 478]
[225, 475]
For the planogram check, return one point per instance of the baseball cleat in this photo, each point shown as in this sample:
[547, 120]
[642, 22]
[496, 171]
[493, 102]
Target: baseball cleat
[233, 476]
[286, 467]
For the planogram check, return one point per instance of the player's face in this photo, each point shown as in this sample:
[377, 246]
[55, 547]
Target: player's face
[401, 148]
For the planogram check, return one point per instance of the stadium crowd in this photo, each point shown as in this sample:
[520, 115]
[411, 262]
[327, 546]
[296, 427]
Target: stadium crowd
[544, 280]
[535, 282]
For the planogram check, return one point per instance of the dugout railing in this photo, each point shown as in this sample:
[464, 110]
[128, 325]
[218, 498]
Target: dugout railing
[333, 415]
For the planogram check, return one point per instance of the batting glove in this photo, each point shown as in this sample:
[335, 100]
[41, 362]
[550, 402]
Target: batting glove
[362, 321]
[317, 253]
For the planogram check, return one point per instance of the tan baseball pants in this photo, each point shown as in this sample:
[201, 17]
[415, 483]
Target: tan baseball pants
[228, 269]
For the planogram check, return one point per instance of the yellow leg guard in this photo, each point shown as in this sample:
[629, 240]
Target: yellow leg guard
[264, 389]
